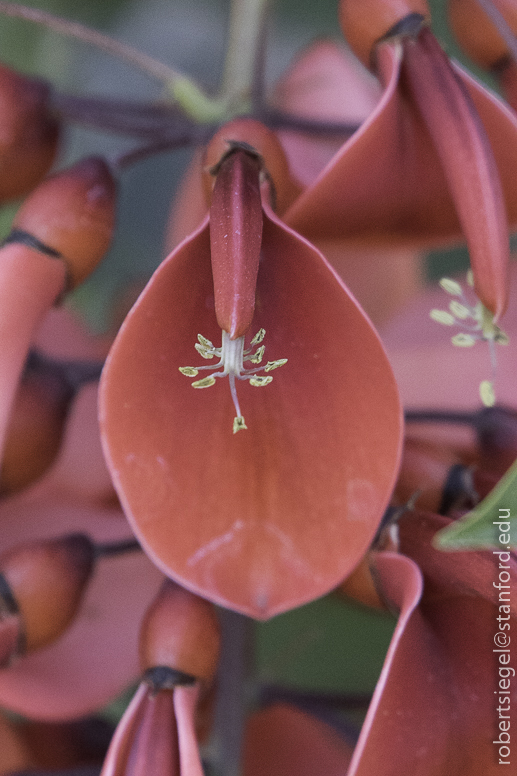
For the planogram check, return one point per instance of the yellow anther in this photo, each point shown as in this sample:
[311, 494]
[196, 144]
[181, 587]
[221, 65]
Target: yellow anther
[206, 382]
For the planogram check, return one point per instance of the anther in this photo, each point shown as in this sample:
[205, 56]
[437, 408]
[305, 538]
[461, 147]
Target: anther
[232, 357]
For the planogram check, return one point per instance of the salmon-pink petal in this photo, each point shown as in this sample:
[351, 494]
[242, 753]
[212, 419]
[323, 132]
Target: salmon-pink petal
[62, 335]
[120, 746]
[278, 513]
[325, 83]
[434, 707]
[467, 160]
[189, 205]
[79, 469]
[283, 741]
[407, 726]
[185, 702]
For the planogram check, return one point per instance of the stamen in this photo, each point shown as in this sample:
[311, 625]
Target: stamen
[477, 323]
[232, 356]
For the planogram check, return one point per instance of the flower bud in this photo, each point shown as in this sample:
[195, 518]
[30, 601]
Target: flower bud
[262, 142]
[180, 631]
[476, 33]
[72, 214]
[366, 22]
[424, 473]
[360, 585]
[46, 581]
[28, 133]
[35, 426]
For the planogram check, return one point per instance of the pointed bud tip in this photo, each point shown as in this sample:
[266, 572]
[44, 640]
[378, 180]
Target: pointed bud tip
[28, 133]
[476, 34]
[73, 213]
[180, 631]
[366, 22]
[262, 143]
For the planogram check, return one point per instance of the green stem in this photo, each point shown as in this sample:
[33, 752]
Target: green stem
[245, 38]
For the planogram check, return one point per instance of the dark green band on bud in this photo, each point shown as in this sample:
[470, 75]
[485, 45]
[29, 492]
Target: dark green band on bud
[19, 236]
[233, 147]
[410, 25]
[8, 604]
[165, 678]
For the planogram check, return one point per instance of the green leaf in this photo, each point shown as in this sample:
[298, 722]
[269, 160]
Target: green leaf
[485, 526]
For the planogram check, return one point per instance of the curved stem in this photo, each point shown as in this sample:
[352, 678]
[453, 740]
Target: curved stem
[147, 64]
[112, 549]
[243, 53]
[441, 416]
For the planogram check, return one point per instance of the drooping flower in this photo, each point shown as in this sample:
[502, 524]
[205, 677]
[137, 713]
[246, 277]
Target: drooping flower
[439, 699]
[275, 515]
[438, 151]
[179, 650]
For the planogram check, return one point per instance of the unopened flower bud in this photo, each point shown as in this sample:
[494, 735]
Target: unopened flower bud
[180, 631]
[28, 133]
[46, 581]
[366, 22]
[425, 474]
[361, 586]
[72, 214]
[35, 426]
[265, 145]
[476, 33]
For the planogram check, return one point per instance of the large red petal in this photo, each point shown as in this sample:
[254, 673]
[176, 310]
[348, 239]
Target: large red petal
[407, 727]
[283, 741]
[276, 515]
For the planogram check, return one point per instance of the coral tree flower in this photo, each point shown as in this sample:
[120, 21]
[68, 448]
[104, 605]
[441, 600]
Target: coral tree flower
[437, 152]
[179, 650]
[439, 700]
[327, 84]
[276, 514]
